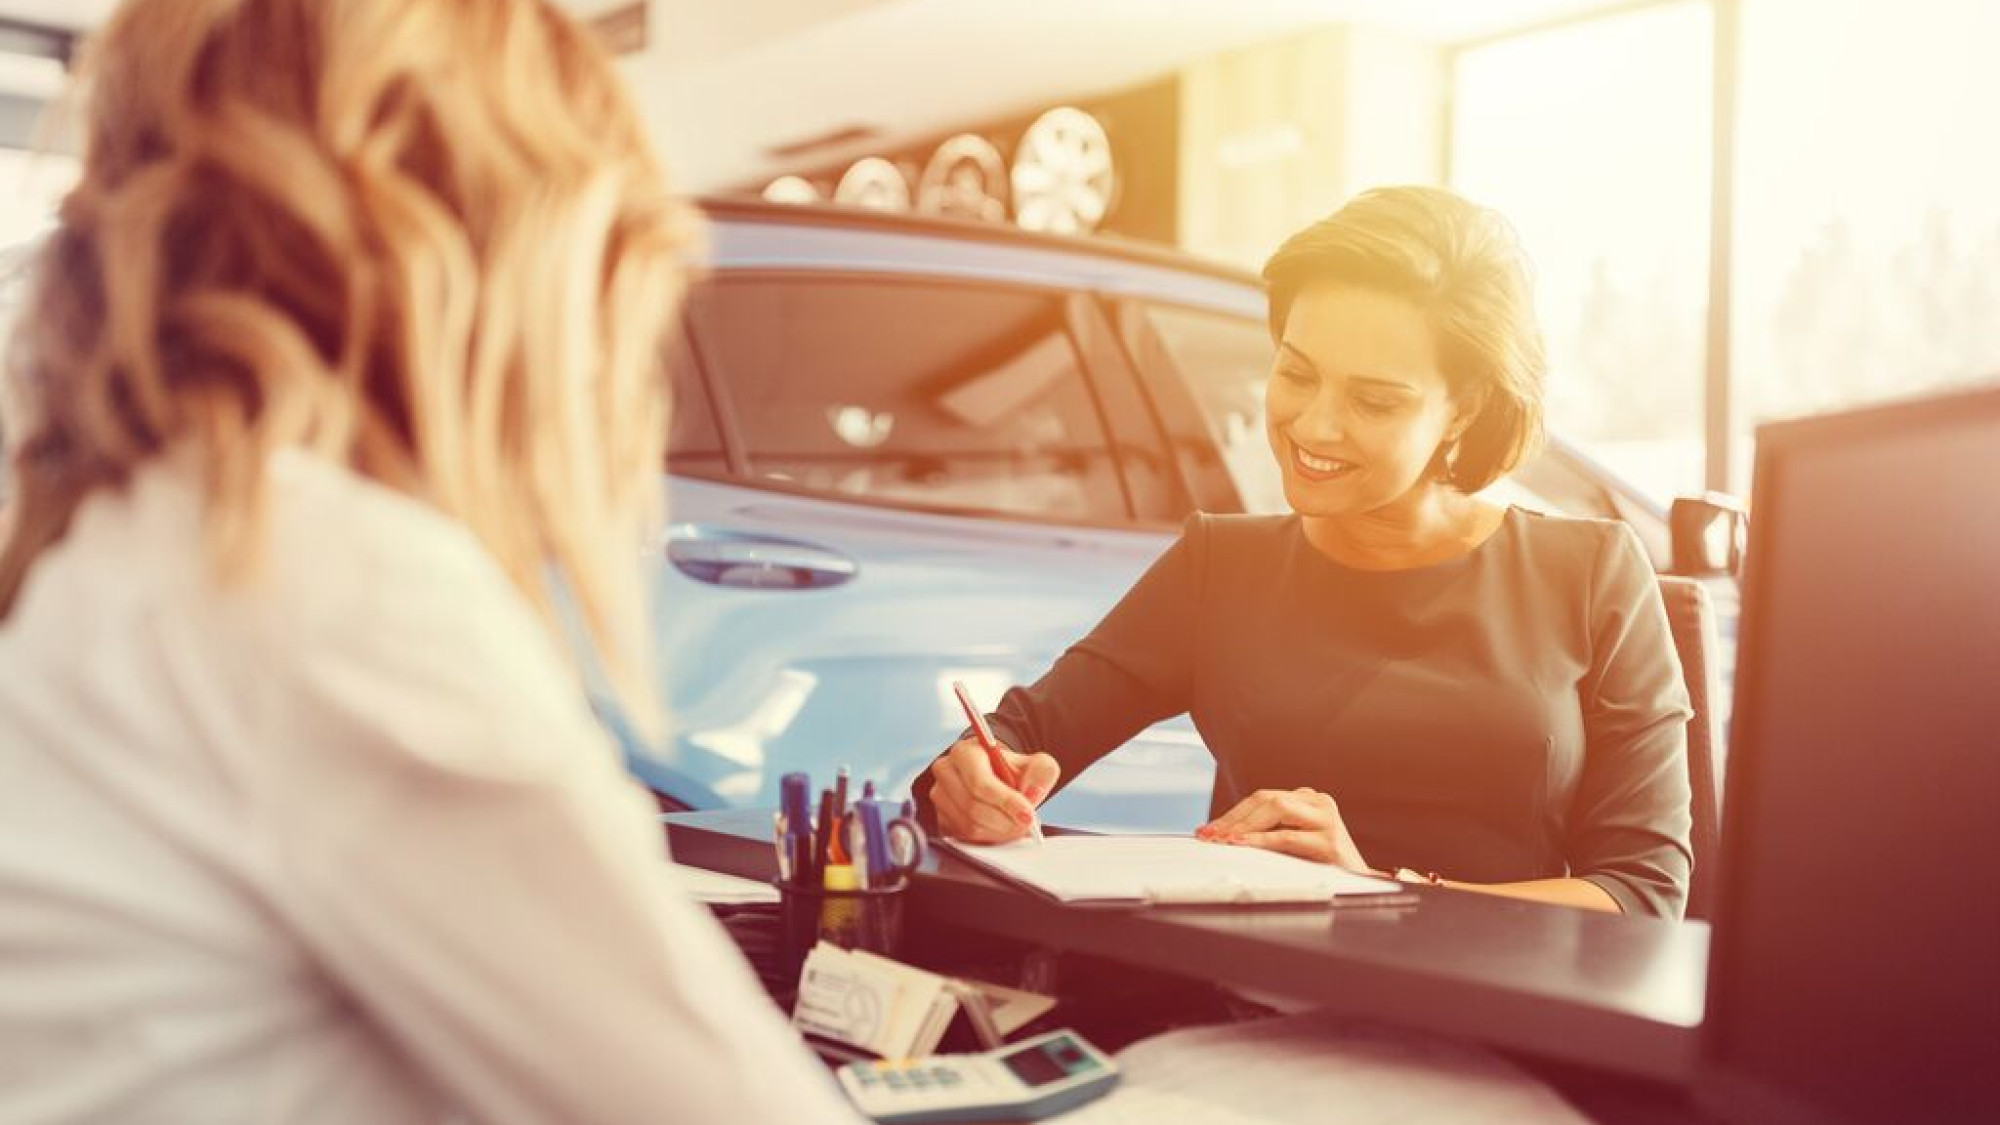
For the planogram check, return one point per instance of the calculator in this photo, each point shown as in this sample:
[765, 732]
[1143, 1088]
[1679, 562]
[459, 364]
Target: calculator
[1023, 1081]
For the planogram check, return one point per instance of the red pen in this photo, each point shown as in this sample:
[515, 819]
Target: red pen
[994, 757]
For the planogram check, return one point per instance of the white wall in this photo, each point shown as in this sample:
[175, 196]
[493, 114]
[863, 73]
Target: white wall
[1278, 134]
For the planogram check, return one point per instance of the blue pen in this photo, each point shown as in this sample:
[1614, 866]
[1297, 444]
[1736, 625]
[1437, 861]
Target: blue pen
[875, 841]
[794, 803]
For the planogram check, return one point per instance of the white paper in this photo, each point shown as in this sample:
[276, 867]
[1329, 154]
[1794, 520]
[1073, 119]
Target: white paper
[892, 1009]
[1309, 1070]
[918, 1013]
[1166, 869]
[703, 885]
[849, 1000]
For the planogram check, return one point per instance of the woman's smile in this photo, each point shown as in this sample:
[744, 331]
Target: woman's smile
[1317, 469]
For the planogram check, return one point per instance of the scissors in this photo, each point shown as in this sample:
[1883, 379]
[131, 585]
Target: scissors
[886, 848]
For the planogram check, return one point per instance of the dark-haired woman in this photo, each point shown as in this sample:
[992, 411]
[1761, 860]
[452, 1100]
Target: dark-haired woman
[1399, 676]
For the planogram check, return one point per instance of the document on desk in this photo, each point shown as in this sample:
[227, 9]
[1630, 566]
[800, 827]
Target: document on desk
[1307, 1070]
[717, 889]
[1164, 870]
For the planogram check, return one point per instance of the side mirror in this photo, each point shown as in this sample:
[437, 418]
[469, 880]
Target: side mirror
[1708, 533]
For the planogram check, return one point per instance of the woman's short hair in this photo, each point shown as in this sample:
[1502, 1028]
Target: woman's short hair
[424, 238]
[1462, 264]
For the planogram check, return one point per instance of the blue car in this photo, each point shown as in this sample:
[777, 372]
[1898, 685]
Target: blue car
[910, 451]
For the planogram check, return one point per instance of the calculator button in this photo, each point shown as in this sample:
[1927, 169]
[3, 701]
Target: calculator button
[948, 1078]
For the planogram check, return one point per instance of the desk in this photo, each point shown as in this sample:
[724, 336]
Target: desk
[1621, 994]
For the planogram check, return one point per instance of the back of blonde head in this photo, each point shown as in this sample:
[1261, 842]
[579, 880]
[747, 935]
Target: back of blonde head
[423, 238]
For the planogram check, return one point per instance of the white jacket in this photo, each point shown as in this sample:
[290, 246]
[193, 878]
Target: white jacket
[343, 845]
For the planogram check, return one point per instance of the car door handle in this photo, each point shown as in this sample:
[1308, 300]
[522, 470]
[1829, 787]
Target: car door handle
[758, 563]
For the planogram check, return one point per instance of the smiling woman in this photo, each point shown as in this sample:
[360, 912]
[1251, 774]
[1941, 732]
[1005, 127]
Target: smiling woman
[1361, 425]
[1425, 254]
[1399, 675]
[1408, 355]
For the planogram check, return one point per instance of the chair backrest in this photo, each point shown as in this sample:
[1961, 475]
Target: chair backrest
[1691, 615]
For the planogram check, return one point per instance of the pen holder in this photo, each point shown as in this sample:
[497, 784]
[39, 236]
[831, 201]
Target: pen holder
[849, 917]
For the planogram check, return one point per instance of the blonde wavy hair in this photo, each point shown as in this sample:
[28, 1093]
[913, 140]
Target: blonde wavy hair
[423, 238]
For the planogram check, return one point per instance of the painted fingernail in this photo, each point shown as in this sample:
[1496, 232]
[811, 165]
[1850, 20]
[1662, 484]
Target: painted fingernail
[1034, 794]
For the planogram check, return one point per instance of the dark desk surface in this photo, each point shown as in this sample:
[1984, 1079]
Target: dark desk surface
[1623, 994]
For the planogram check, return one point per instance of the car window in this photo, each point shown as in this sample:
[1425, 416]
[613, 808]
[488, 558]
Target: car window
[956, 396]
[1225, 362]
[694, 440]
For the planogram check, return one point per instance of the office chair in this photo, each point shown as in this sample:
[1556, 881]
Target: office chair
[1691, 615]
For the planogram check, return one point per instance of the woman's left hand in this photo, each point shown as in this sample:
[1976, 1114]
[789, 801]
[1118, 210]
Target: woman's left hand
[1301, 822]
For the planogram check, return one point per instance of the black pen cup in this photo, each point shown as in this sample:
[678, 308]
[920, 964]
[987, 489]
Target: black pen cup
[867, 918]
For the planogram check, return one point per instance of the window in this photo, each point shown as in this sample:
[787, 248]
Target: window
[1867, 231]
[1593, 139]
[1225, 361]
[945, 395]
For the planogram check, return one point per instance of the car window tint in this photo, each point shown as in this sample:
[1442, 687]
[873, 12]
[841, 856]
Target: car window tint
[694, 444]
[949, 395]
[1225, 362]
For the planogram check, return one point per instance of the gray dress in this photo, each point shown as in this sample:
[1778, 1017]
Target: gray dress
[1515, 713]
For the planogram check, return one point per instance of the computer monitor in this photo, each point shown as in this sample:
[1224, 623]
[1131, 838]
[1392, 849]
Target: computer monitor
[1855, 969]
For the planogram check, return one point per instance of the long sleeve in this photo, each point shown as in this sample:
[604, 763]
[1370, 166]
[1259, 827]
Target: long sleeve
[1629, 820]
[340, 842]
[460, 852]
[1134, 669]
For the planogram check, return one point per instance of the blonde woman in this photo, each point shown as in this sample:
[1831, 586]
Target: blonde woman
[342, 352]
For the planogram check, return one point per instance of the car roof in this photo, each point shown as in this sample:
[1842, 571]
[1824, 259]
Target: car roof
[746, 234]
[753, 234]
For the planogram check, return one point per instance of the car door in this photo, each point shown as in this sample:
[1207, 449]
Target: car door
[879, 485]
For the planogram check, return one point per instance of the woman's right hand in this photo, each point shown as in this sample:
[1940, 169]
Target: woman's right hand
[974, 805]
